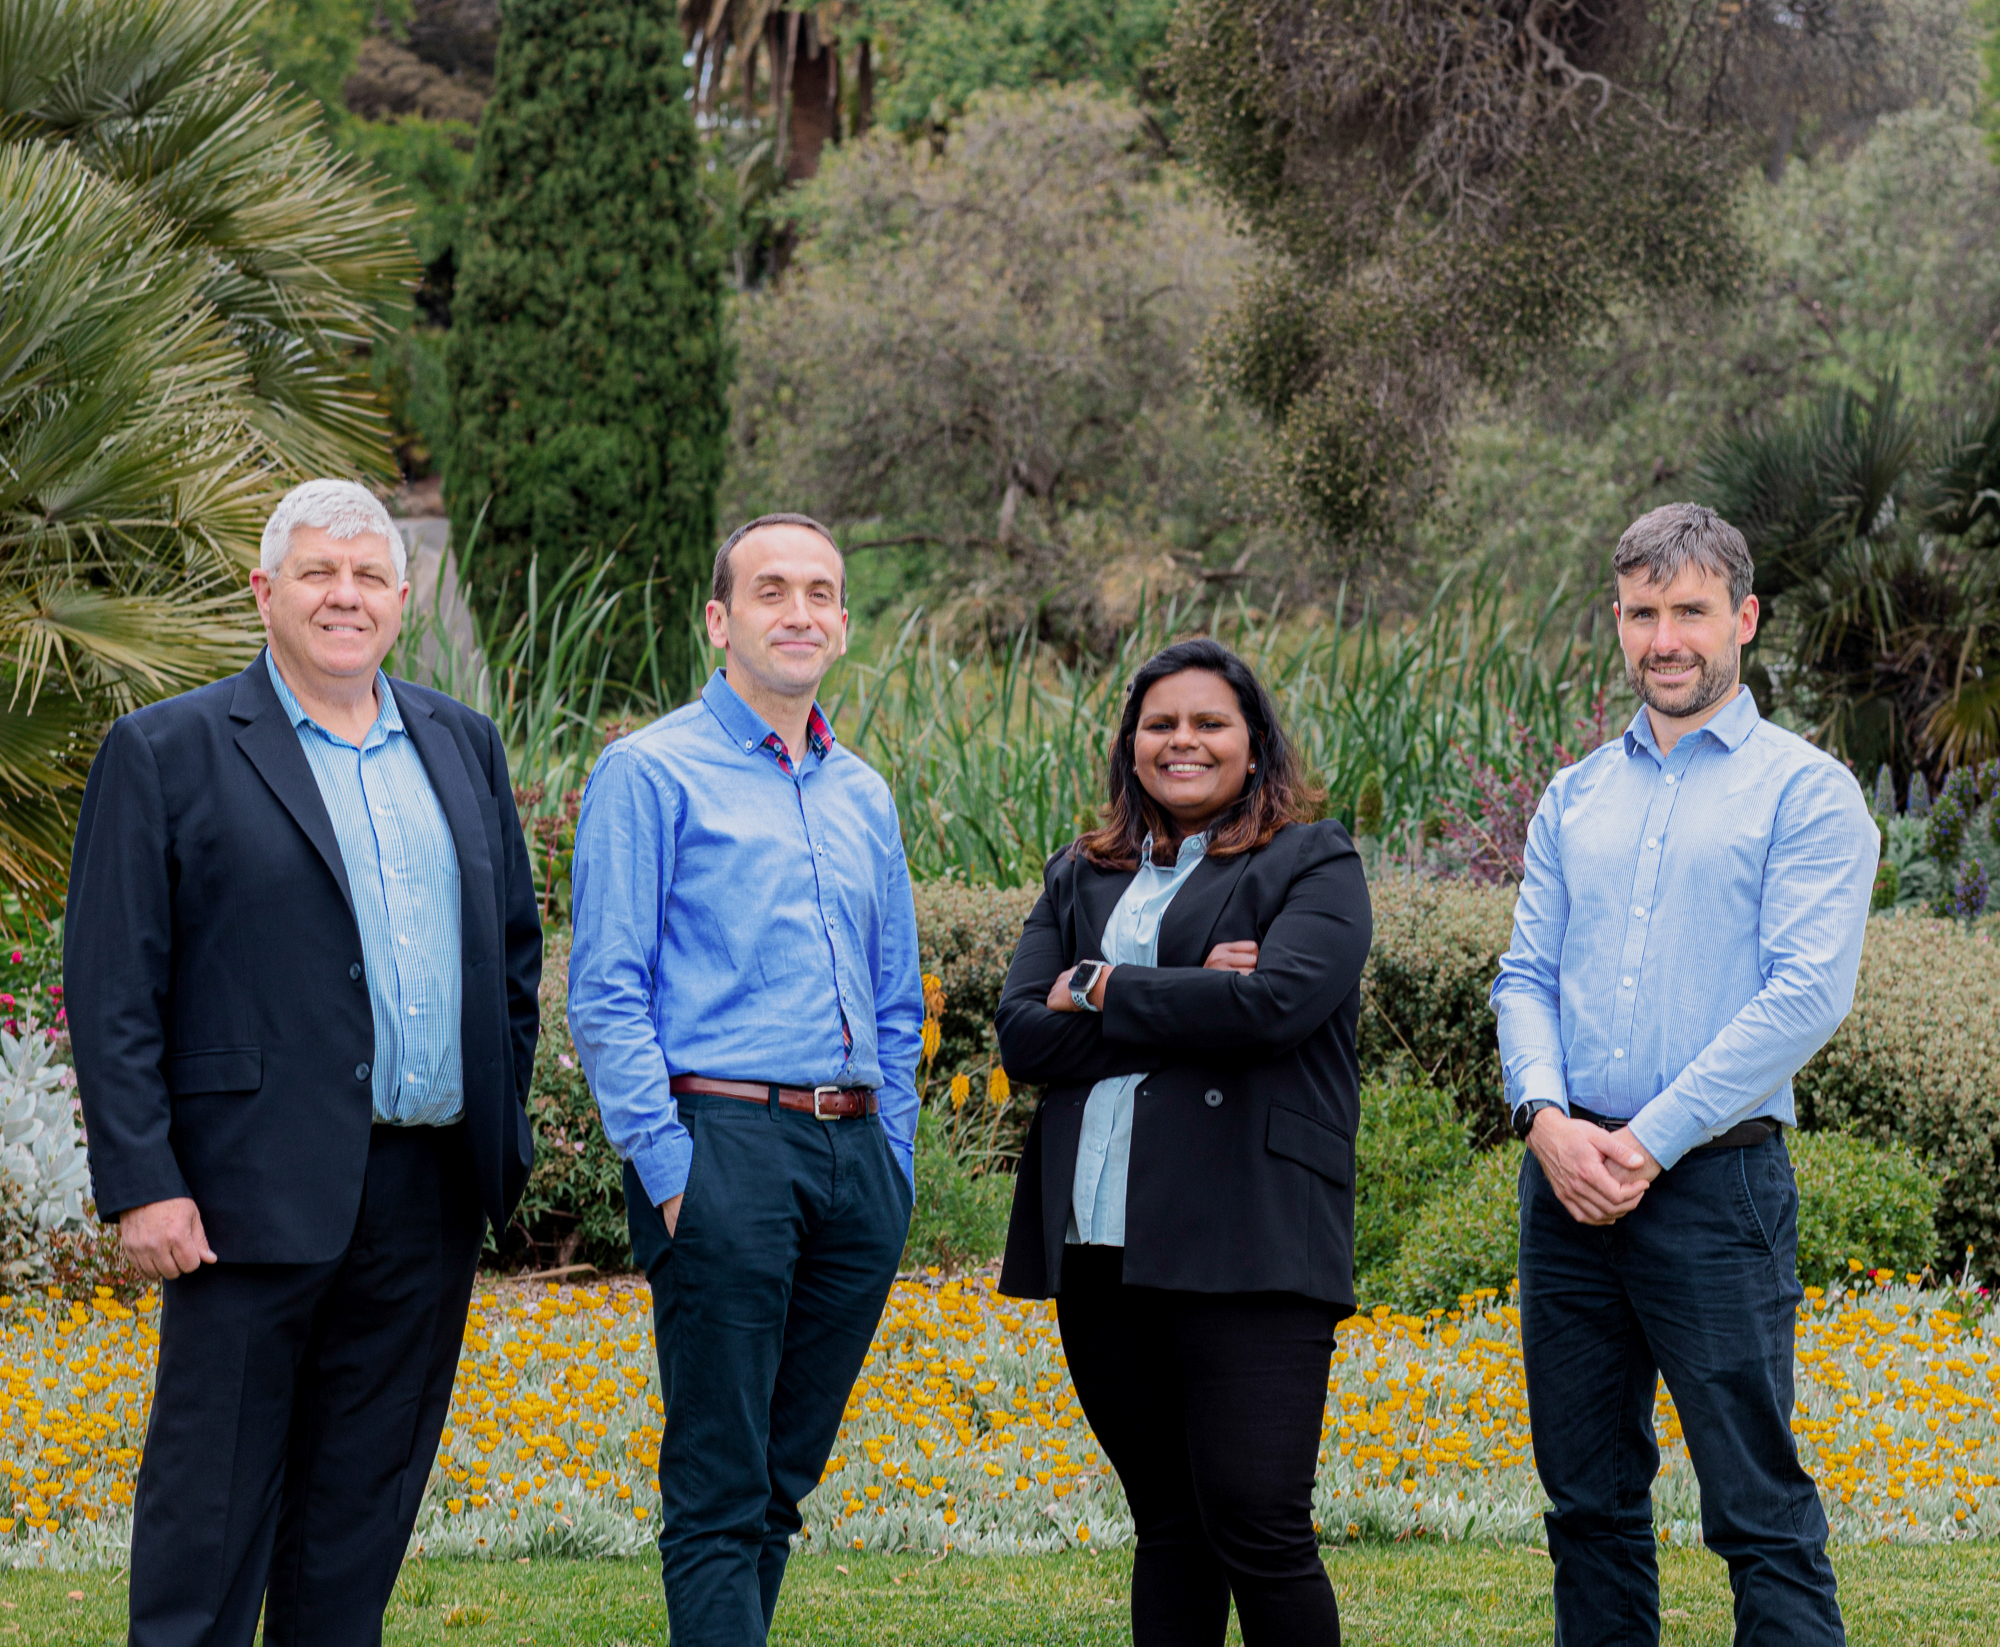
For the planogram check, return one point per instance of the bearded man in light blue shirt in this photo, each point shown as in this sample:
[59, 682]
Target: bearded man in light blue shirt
[1687, 936]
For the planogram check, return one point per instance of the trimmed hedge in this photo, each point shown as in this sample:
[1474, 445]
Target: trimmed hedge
[1412, 1144]
[1918, 1060]
[966, 937]
[1859, 1202]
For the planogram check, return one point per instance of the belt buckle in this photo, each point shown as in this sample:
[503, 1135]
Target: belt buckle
[817, 1116]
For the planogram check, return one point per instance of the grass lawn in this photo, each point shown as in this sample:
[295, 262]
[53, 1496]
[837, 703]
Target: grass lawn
[1943, 1596]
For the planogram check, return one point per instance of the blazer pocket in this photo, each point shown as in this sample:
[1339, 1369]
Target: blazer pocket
[1313, 1144]
[220, 1069]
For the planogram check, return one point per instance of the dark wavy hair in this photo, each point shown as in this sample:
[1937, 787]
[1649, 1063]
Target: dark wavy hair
[1276, 794]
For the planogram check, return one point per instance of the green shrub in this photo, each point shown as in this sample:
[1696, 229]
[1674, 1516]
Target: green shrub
[1863, 1201]
[1423, 995]
[966, 937]
[1918, 1061]
[1467, 1236]
[573, 1210]
[960, 1219]
[1412, 1144]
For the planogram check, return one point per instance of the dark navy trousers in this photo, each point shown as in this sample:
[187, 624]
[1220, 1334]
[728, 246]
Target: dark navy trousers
[765, 1300]
[1698, 1285]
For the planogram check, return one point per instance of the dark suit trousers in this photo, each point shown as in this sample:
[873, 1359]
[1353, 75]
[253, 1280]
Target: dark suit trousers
[1209, 1408]
[297, 1413]
[765, 1301]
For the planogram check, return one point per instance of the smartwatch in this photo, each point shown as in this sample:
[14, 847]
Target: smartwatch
[1524, 1117]
[1082, 981]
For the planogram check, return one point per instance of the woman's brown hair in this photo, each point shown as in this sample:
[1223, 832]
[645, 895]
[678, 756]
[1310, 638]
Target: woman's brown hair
[1276, 794]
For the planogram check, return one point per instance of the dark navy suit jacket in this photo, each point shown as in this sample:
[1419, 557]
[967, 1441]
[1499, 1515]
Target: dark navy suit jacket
[213, 973]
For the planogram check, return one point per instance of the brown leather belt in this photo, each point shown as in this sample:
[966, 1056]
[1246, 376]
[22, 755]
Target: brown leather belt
[821, 1103]
[1744, 1135]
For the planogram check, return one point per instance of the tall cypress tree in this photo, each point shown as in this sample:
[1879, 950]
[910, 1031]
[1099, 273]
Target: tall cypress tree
[588, 362]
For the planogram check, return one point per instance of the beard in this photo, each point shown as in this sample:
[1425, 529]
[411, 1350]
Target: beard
[1714, 680]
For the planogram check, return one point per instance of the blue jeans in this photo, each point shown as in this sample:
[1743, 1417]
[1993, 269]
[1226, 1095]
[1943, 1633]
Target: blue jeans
[765, 1300]
[1698, 1285]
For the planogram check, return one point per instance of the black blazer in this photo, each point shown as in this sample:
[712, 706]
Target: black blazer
[212, 970]
[1242, 1168]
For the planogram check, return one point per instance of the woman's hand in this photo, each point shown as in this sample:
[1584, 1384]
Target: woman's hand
[1059, 1000]
[1240, 956]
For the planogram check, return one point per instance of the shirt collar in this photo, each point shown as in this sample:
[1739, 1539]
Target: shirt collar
[387, 716]
[1191, 848]
[745, 726]
[1731, 727]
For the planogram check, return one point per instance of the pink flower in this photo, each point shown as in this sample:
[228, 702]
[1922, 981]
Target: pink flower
[7, 1000]
[55, 990]
[564, 1059]
[17, 957]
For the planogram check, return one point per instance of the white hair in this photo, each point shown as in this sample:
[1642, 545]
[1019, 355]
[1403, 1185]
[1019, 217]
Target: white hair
[339, 508]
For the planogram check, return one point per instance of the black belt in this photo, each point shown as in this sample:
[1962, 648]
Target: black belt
[1741, 1136]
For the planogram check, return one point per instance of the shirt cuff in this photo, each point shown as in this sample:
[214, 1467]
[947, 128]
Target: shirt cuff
[1539, 1085]
[662, 1166]
[1667, 1129]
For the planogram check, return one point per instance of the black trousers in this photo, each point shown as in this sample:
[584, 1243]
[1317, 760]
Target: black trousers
[1208, 1406]
[1698, 1285]
[296, 1415]
[765, 1300]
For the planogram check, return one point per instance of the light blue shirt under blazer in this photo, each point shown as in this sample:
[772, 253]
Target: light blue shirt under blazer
[735, 920]
[1104, 1151]
[1688, 930]
[402, 868]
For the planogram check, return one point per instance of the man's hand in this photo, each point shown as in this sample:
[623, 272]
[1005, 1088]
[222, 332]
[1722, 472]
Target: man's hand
[670, 1210]
[1238, 956]
[164, 1239]
[1059, 1000]
[1599, 1176]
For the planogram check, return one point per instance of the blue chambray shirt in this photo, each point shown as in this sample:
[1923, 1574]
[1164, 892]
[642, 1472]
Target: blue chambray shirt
[738, 914]
[402, 868]
[1104, 1148]
[1688, 929]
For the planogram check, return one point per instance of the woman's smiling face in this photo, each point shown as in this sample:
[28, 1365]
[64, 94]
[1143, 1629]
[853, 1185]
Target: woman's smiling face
[1191, 749]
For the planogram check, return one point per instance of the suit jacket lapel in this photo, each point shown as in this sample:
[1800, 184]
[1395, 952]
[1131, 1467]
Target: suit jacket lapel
[271, 742]
[1097, 895]
[1191, 917]
[450, 782]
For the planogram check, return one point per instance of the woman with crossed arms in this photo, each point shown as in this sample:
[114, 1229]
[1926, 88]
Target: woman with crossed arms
[1186, 990]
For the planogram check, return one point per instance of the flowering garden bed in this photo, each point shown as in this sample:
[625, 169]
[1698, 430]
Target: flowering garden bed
[963, 1432]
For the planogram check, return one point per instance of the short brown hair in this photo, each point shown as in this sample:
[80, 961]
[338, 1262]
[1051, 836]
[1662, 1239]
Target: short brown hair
[1277, 792]
[723, 585]
[1667, 541]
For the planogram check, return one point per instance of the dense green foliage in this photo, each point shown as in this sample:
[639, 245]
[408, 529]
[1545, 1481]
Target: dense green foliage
[1861, 1202]
[1411, 1146]
[959, 1220]
[966, 935]
[1466, 1236]
[587, 358]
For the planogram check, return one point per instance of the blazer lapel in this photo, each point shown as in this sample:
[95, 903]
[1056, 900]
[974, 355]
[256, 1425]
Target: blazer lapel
[1097, 895]
[450, 782]
[271, 742]
[1191, 917]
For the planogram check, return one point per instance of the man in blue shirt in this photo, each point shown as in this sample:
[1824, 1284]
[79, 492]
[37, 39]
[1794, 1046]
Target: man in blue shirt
[746, 1003]
[301, 960]
[1687, 936]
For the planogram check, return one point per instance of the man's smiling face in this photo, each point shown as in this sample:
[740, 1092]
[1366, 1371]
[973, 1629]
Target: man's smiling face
[1683, 643]
[334, 608]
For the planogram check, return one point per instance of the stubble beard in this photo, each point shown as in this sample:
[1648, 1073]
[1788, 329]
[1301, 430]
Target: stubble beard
[1715, 679]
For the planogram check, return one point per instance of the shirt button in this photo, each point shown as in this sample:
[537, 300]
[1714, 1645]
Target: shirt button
[1618, 1052]
[355, 970]
[361, 1072]
[1637, 909]
[1670, 777]
[1627, 982]
[1652, 840]
[413, 1012]
[403, 939]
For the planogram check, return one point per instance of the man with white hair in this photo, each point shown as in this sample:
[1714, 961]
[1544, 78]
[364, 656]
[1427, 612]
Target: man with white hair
[301, 959]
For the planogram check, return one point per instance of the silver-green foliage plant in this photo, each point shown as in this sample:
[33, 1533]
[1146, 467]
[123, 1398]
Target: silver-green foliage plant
[44, 1174]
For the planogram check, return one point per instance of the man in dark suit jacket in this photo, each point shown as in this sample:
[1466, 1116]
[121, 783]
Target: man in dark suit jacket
[302, 952]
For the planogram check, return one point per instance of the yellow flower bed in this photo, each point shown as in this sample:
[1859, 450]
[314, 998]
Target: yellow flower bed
[964, 1431]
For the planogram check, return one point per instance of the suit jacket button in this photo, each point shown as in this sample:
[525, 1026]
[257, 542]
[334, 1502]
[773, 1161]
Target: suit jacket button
[355, 970]
[1212, 1097]
[361, 1072]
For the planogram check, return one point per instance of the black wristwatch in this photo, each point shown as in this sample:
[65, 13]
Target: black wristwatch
[1524, 1117]
[1082, 981]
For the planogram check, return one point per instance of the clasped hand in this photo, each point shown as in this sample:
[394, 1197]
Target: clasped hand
[1240, 956]
[164, 1239]
[1599, 1176]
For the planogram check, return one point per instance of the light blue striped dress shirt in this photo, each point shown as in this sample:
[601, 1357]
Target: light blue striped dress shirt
[1104, 1150]
[402, 869]
[1689, 928]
